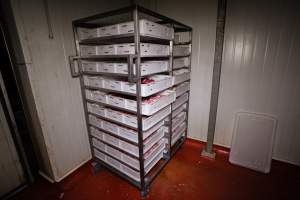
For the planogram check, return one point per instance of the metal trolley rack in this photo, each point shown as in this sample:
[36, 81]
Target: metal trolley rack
[134, 76]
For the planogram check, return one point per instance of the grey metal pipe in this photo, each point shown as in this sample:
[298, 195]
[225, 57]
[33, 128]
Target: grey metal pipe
[221, 16]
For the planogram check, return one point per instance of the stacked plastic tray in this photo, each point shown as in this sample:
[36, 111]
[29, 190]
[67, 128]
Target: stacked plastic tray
[181, 85]
[110, 98]
[135, 89]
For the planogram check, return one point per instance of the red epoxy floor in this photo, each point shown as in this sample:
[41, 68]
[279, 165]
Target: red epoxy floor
[187, 176]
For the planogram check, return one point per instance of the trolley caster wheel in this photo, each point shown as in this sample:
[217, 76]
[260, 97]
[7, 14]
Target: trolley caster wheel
[145, 192]
[96, 168]
[166, 156]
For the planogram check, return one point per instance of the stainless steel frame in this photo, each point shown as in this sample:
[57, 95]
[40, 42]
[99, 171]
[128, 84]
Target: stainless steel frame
[145, 179]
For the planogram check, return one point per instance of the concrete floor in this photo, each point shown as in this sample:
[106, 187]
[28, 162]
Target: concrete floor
[187, 176]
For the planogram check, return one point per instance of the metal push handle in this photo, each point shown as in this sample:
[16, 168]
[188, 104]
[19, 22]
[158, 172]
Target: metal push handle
[74, 71]
[131, 76]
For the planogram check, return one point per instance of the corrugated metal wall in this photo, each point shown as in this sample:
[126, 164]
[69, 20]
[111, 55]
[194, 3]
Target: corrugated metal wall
[261, 70]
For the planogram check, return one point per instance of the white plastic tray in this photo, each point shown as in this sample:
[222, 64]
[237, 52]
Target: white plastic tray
[178, 120]
[146, 49]
[125, 118]
[161, 82]
[180, 76]
[147, 28]
[150, 162]
[148, 122]
[182, 88]
[135, 175]
[96, 95]
[149, 105]
[181, 50]
[121, 131]
[130, 148]
[87, 33]
[182, 37]
[181, 62]
[183, 98]
[177, 133]
[253, 130]
[147, 67]
[176, 138]
[178, 110]
[151, 153]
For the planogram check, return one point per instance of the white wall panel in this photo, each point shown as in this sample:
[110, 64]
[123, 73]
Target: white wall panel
[56, 94]
[201, 16]
[261, 70]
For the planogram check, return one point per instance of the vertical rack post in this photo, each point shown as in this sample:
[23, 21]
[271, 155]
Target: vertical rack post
[139, 98]
[94, 164]
[171, 73]
[188, 103]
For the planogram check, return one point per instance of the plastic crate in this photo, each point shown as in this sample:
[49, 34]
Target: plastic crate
[149, 105]
[128, 147]
[180, 76]
[96, 133]
[149, 156]
[147, 28]
[115, 115]
[178, 110]
[179, 119]
[96, 109]
[110, 127]
[87, 33]
[96, 95]
[178, 131]
[183, 98]
[181, 50]
[148, 122]
[182, 88]
[93, 120]
[108, 30]
[98, 144]
[182, 37]
[90, 66]
[93, 81]
[146, 49]
[99, 154]
[133, 135]
[181, 62]
[160, 83]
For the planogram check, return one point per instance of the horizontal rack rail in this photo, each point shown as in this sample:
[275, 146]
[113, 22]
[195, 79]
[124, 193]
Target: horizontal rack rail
[122, 38]
[120, 75]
